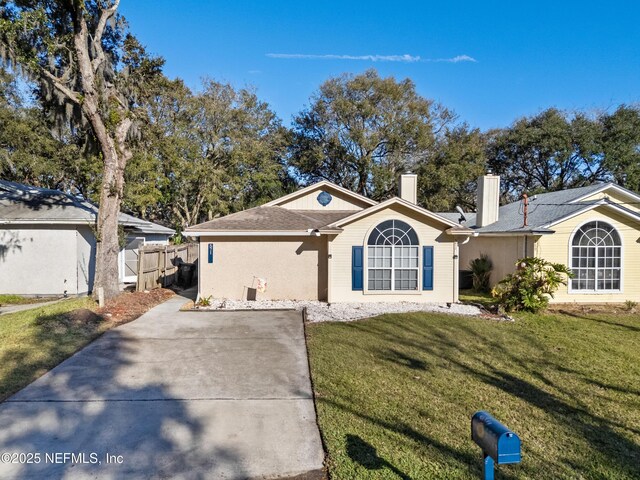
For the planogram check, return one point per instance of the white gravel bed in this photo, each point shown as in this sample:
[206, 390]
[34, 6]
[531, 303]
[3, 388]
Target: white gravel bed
[322, 312]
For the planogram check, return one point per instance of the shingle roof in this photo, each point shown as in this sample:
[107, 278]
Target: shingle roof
[272, 219]
[325, 218]
[544, 210]
[25, 204]
[144, 226]
[455, 217]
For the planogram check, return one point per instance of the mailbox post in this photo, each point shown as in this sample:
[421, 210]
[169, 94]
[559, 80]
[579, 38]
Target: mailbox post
[499, 444]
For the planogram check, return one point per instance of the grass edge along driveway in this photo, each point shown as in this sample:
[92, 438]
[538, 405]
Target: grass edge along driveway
[34, 341]
[395, 394]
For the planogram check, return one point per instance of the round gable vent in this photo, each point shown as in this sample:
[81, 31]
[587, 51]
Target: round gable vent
[324, 198]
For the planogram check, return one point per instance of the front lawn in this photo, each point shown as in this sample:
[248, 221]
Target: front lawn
[395, 394]
[8, 299]
[482, 298]
[34, 341]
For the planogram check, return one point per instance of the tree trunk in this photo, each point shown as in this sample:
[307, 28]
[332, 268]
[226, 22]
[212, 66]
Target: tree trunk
[112, 145]
[116, 155]
[108, 245]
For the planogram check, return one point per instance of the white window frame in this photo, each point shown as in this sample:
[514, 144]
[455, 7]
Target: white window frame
[596, 291]
[393, 291]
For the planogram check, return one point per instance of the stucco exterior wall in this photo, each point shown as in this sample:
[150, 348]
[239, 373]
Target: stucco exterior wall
[503, 252]
[39, 260]
[294, 267]
[309, 201]
[555, 248]
[430, 233]
[86, 258]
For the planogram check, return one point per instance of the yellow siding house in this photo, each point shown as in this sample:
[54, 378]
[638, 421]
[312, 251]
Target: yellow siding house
[595, 230]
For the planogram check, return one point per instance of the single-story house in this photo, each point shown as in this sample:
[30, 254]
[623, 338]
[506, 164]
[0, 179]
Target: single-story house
[594, 230]
[324, 242]
[47, 241]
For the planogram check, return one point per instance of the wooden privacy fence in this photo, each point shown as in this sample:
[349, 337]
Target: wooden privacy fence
[159, 265]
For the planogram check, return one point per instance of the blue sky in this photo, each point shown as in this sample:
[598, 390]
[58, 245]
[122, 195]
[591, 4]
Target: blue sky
[575, 55]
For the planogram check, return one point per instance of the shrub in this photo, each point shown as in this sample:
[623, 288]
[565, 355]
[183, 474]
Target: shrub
[481, 272]
[630, 305]
[177, 239]
[204, 302]
[531, 286]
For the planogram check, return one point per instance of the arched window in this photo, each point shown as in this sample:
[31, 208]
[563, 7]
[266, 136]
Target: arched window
[392, 257]
[596, 261]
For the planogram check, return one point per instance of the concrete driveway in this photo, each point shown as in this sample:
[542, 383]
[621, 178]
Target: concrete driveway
[173, 394]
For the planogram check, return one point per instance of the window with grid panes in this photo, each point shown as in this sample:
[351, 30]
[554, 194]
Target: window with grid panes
[596, 258]
[393, 257]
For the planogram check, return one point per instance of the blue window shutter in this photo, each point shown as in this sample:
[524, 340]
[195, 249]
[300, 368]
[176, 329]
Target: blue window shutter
[356, 268]
[427, 268]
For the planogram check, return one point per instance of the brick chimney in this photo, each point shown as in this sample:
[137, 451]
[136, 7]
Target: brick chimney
[408, 188]
[488, 199]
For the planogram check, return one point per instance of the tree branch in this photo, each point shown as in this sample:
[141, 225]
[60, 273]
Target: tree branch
[59, 84]
[96, 38]
[102, 22]
[122, 129]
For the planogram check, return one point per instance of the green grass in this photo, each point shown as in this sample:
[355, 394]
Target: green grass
[34, 341]
[482, 298]
[395, 394]
[19, 300]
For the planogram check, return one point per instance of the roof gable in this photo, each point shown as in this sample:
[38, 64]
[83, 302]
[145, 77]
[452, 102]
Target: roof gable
[616, 191]
[603, 203]
[305, 198]
[390, 203]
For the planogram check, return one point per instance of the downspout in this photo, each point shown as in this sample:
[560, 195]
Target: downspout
[466, 240]
[78, 268]
[199, 268]
[456, 272]
[329, 269]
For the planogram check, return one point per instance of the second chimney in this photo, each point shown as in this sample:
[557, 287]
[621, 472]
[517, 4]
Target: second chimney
[408, 188]
[488, 200]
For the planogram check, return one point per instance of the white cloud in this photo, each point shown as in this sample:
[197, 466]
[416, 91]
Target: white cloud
[370, 58]
[457, 59]
[406, 58]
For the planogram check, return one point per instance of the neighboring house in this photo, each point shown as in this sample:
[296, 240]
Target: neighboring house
[594, 230]
[325, 242]
[47, 241]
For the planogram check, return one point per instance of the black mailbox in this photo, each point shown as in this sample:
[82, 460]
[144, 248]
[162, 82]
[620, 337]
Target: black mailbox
[496, 440]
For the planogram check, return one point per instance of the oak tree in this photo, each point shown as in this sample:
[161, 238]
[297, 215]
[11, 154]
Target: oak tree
[448, 177]
[90, 71]
[621, 145]
[363, 131]
[549, 151]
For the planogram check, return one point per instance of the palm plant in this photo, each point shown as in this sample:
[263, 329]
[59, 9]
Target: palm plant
[481, 272]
